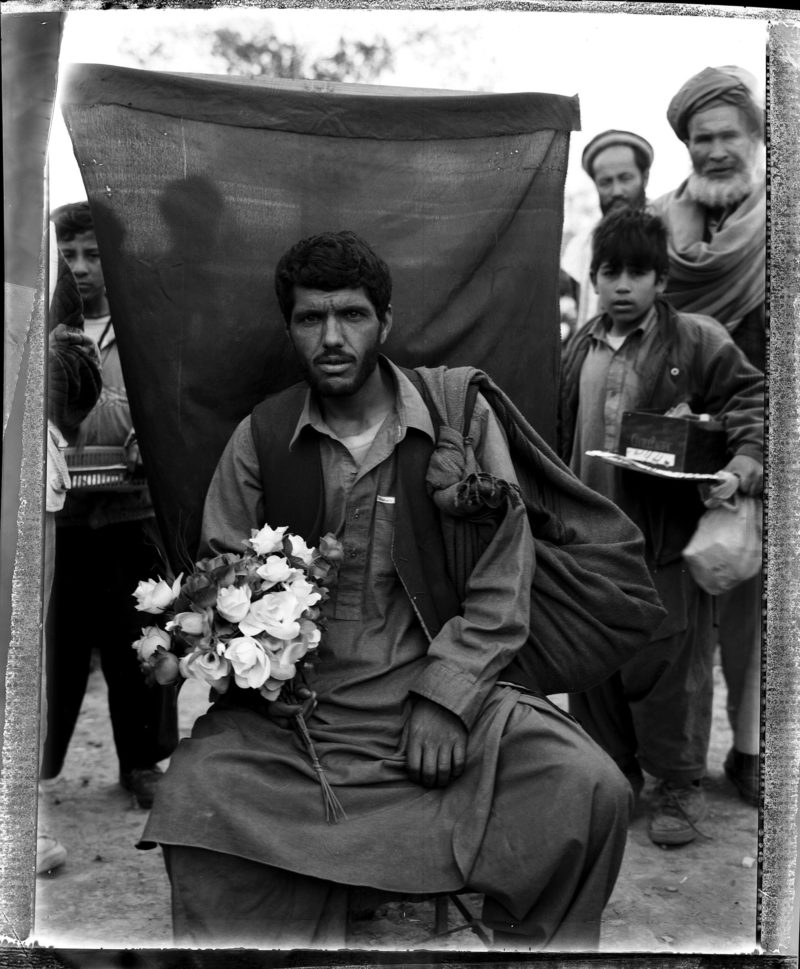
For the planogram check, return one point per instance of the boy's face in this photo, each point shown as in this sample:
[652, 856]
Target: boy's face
[626, 293]
[83, 258]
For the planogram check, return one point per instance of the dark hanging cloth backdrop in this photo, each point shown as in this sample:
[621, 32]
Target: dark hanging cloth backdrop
[198, 184]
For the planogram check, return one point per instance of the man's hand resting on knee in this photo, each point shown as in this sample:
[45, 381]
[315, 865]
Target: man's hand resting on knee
[435, 742]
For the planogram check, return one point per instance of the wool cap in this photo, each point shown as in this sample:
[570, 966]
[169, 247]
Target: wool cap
[716, 85]
[613, 137]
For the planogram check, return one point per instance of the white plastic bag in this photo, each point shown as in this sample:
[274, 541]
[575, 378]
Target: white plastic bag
[726, 546]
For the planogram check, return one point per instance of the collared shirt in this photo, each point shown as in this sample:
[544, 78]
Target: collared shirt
[375, 650]
[359, 496]
[610, 384]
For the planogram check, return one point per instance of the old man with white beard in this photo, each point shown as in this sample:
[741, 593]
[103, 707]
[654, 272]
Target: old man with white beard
[717, 217]
[717, 265]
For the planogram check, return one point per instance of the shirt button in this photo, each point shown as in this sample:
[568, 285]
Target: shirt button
[353, 552]
[674, 371]
[356, 513]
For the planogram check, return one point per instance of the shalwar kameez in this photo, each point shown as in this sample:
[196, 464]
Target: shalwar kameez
[538, 819]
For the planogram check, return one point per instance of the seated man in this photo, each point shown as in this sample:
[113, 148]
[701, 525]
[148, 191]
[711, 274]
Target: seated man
[449, 777]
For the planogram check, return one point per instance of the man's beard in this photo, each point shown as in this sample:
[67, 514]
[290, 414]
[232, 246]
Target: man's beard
[325, 385]
[634, 204]
[716, 193]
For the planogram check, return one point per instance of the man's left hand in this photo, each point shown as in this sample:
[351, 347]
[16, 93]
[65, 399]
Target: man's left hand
[436, 744]
[749, 472]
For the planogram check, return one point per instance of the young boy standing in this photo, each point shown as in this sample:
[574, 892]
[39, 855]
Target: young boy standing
[640, 354]
[109, 537]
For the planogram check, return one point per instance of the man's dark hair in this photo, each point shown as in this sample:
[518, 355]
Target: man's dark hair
[630, 238]
[71, 220]
[329, 261]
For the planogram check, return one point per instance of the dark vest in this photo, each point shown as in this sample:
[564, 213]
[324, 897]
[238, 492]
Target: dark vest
[294, 495]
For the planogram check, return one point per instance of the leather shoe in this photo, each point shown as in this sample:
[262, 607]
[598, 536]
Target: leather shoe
[742, 771]
[141, 782]
[677, 813]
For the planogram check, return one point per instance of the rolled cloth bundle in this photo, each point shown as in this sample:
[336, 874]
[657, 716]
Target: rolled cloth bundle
[593, 603]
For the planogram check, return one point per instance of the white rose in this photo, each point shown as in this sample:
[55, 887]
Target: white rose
[300, 550]
[283, 666]
[274, 615]
[267, 540]
[271, 689]
[153, 638]
[233, 603]
[304, 593]
[156, 595]
[209, 667]
[191, 623]
[276, 569]
[293, 653]
[310, 633]
[251, 665]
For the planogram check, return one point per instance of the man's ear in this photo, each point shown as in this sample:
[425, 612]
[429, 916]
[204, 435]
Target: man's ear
[593, 280]
[661, 282]
[386, 324]
[645, 179]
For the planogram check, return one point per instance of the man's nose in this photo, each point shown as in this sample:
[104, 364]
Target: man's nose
[332, 331]
[623, 283]
[718, 148]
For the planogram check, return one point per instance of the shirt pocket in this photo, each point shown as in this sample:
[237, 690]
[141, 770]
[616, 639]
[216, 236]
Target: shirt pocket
[381, 565]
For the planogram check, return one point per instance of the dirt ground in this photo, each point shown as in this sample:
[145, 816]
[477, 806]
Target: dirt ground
[108, 894]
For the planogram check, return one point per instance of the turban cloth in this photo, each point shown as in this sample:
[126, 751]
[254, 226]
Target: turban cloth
[729, 85]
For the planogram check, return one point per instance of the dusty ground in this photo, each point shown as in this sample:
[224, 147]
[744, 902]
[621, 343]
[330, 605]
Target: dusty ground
[699, 898]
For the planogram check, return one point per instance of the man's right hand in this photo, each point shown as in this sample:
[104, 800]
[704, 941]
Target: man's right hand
[435, 742]
[749, 472]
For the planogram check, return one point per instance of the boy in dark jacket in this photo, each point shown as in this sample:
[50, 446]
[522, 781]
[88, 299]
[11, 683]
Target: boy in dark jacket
[640, 354]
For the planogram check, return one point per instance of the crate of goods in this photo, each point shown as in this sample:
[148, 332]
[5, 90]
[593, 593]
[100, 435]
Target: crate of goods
[686, 444]
[100, 468]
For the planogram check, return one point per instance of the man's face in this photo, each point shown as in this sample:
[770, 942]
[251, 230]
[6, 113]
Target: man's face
[83, 258]
[627, 293]
[618, 179]
[336, 336]
[720, 144]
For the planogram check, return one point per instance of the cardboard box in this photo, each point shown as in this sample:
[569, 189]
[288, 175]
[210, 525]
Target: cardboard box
[675, 443]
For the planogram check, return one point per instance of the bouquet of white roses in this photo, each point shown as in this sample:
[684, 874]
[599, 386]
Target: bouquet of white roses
[250, 618]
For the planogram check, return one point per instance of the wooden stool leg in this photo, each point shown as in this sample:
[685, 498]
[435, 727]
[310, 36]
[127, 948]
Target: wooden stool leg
[440, 924]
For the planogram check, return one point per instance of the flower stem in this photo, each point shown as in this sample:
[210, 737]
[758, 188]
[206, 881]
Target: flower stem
[334, 812]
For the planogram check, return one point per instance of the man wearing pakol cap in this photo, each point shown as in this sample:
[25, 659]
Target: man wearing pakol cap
[618, 162]
[717, 225]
